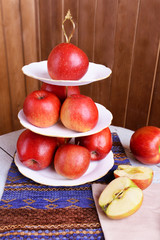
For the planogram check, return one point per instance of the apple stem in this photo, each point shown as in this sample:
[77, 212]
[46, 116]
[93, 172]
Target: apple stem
[41, 97]
[78, 143]
[68, 17]
[66, 91]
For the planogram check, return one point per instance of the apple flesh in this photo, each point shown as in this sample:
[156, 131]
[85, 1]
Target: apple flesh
[36, 151]
[79, 113]
[145, 145]
[67, 62]
[42, 108]
[71, 161]
[121, 198]
[99, 144]
[62, 92]
[141, 176]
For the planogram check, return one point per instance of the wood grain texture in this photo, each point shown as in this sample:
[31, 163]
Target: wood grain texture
[14, 53]
[105, 26]
[121, 34]
[29, 37]
[145, 53]
[127, 15]
[154, 114]
[45, 13]
[5, 103]
[86, 31]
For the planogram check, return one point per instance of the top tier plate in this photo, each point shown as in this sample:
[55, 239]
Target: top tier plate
[38, 70]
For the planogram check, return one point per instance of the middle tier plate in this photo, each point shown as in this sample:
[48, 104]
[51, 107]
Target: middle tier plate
[58, 129]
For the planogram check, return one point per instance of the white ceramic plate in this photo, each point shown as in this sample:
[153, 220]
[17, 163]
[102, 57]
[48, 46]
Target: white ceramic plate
[58, 129]
[38, 70]
[48, 176]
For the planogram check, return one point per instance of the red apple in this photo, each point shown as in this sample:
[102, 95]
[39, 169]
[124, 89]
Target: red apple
[36, 151]
[67, 62]
[99, 144]
[61, 91]
[145, 144]
[71, 161]
[42, 108]
[79, 113]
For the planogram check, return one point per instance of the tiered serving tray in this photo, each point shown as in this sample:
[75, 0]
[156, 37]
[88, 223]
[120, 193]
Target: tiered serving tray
[97, 169]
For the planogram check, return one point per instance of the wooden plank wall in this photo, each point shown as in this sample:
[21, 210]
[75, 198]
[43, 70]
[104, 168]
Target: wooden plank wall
[121, 34]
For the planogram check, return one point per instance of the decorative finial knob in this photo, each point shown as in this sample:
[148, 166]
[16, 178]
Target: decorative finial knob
[68, 17]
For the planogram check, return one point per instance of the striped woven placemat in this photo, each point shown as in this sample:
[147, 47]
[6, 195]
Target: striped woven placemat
[29, 210]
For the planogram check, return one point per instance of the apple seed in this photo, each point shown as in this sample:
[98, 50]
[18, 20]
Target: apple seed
[119, 194]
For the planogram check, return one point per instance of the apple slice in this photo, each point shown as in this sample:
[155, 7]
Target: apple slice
[121, 198]
[141, 176]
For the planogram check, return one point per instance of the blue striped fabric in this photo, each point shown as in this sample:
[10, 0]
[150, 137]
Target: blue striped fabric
[33, 211]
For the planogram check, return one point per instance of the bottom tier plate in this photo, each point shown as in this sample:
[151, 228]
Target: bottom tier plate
[48, 176]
